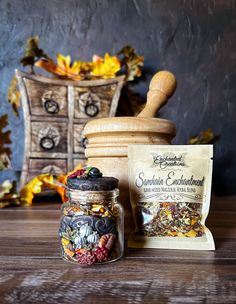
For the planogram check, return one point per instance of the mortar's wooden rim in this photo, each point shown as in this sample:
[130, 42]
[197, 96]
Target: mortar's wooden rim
[129, 124]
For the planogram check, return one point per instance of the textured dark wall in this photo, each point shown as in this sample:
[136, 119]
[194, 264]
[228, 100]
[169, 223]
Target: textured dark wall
[194, 39]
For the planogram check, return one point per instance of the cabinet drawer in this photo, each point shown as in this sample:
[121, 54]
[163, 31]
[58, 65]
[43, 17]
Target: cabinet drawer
[48, 137]
[46, 99]
[51, 166]
[93, 101]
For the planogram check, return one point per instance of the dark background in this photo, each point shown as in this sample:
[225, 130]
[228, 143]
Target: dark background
[193, 39]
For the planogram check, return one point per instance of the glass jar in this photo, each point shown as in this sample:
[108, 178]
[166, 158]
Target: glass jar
[92, 225]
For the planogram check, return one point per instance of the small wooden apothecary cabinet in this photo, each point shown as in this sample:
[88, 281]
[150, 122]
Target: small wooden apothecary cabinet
[55, 112]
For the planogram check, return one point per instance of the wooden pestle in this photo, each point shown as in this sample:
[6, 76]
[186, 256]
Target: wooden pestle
[162, 87]
[110, 136]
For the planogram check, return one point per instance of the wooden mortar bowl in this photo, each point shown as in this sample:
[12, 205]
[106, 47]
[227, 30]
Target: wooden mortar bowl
[108, 138]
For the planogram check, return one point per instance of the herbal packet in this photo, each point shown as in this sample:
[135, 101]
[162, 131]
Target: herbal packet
[170, 189]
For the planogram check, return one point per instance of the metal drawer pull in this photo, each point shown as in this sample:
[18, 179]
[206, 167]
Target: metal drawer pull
[51, 106]
[47, 143]
[90, 104]
[49, 138]
[84, 142]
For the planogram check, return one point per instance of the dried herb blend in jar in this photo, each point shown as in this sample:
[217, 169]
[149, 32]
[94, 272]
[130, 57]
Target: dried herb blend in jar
[91, 228]
[170, 190]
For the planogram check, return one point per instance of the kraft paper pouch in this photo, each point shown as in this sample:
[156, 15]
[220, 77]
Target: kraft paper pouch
[170, 189]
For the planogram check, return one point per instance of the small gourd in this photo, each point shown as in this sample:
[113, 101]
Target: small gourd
[85, 230]
[93, 238]
[79, 242]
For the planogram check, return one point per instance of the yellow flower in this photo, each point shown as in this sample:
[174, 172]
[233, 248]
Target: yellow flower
[106, 67]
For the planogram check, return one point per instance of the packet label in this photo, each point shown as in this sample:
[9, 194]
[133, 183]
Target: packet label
[170, 188]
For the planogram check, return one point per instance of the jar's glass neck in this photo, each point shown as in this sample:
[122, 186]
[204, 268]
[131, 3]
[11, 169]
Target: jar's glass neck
[85, 197]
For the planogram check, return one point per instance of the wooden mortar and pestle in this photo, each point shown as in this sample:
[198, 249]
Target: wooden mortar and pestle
[108, 138]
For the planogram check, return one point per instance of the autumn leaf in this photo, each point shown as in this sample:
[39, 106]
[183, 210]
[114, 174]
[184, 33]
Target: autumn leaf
[67, 68]
[49, 66]
[45, 181]
[132, 62]
[63, 68]
[205, 137]
[56, 183]
[8, 194]
[5, 151]
[10, 197]
[36, 186]
[63, 61]
[13, 95]
[32, 52]
[28, 192]
[106, 67]
[86, 67]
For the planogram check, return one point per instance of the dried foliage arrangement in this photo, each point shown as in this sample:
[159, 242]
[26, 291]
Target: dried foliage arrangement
[100, 67]
[126, 61]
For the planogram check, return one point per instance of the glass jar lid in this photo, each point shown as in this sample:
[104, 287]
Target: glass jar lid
[91, 179]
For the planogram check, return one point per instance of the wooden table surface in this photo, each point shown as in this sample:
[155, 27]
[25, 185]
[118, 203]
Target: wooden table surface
[32, 270]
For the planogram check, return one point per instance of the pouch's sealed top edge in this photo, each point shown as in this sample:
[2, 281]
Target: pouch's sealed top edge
[207, 147]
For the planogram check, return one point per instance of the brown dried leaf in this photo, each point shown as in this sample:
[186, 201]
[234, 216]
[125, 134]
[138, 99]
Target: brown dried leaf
[132, 62]
[8, 194]
[5, 151]
[205, 137]
[32, 52]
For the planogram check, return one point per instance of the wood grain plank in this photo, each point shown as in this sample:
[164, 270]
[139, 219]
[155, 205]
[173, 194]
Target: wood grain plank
[32, 270]
[128, 281]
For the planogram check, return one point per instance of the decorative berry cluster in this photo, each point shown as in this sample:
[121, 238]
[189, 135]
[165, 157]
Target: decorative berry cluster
[86, 172]
[100, 254]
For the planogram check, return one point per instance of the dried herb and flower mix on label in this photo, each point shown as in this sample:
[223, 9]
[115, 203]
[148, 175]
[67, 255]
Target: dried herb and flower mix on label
[170, 188]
